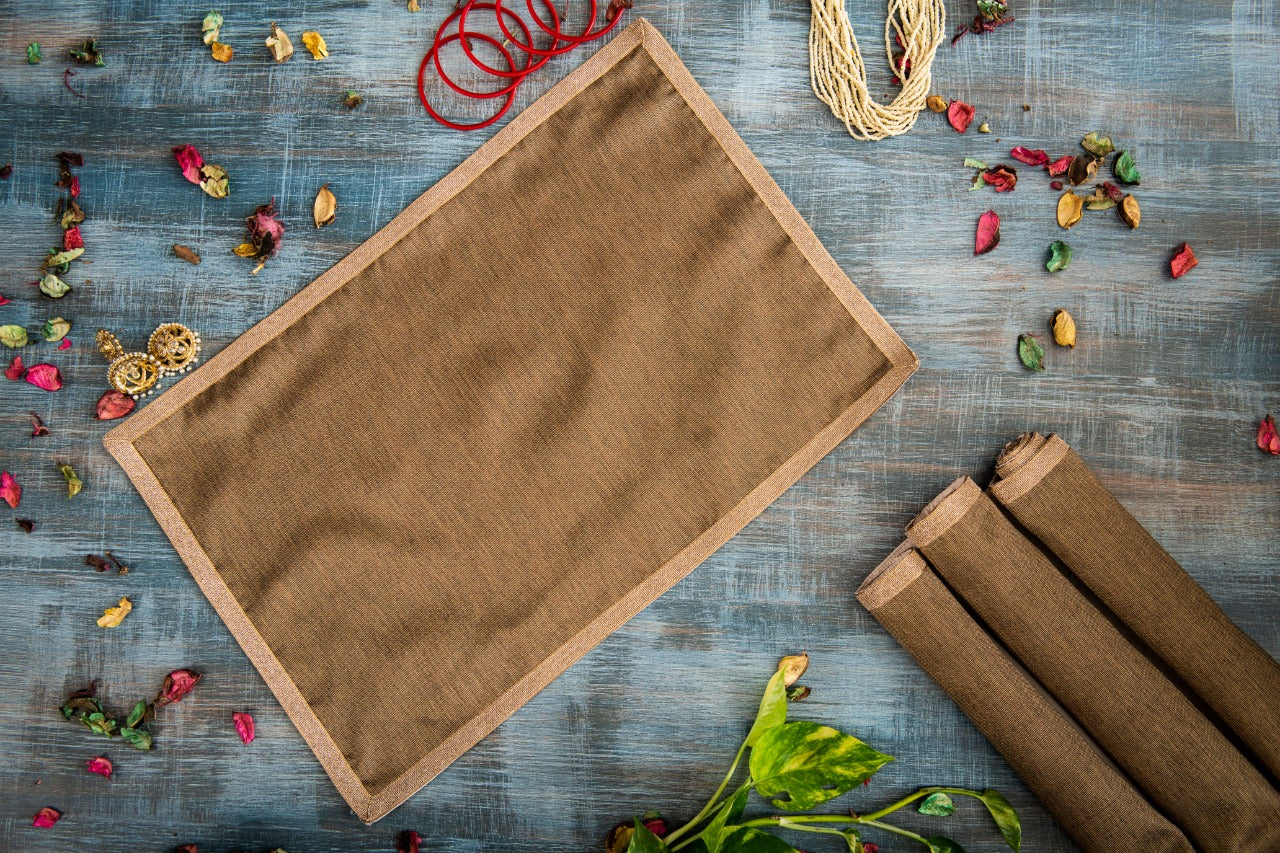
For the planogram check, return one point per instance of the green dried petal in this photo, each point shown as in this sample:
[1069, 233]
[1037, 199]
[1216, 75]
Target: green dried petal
[1030, 353]
[1059, 256]
[135, 716]
[974, 163]
[1096, 202]
[54, 287]
[56, 329]
[13, 336]
[33, 53]
[214, 181]
[74, 485]
[1126, 169]
[1098, 146]
[210, 27]
[137, 738]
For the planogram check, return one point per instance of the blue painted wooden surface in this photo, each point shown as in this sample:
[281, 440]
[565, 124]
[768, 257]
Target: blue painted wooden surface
[1162, 395]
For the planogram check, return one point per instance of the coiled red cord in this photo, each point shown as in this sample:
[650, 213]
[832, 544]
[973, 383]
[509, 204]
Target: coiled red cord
[514, 74]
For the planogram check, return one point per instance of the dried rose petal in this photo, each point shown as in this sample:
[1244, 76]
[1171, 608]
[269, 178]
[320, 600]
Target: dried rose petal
[177, 684]
[75, 186]
[959, 114]
[46, 817]
[988, 234]
[187, 848]
[871, 847]
[15, 370]
[1003, 178]
[1059, 167]
[28, 525]
[71, 239]
[408, 842]
[4, 300]
[656, 825]
[190, 161]
[10, 490]
[100, 765]
[1030, 156]
[1112, 191]
[1268, 440]
[114, 404]
[1055, 185]
[38, 429]
[1183, 261]
[65, 344]
[244, 726]
[45, 376]
[615, 9]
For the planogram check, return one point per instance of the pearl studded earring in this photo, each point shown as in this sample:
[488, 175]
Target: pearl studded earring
[172, 348]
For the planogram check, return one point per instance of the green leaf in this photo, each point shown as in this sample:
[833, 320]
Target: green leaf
[135, 716]
[1030, 353]
[714, 832]
[937, 804]
[974, 163]
[141, 739]
[942, 844]
[799, 765]
[13, 336]
[1126, 170]
[33, 53]
[56, 329]
[1005, 816]
[751, 840]
[1059, 256]
[58, 259]
[54, 287]
[773, 708]
[644, 841]
[1098, 146]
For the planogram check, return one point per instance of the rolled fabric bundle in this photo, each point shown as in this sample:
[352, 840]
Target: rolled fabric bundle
[1092, 800]
[1053, 494]
[1172, 752]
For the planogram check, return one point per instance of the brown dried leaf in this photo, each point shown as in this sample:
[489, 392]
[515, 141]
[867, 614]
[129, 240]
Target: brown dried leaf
[793, 666]
[325, 207]
[279, 44]
[186, 253]
[1083, 167]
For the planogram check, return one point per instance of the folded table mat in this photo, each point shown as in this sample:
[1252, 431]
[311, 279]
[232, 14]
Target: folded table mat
[534, 401]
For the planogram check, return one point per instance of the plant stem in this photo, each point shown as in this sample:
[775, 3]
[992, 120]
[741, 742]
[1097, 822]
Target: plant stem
[896, 830]
[714, 801]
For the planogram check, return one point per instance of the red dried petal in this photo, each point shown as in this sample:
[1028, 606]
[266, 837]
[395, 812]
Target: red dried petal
[75, 186]
[190, 161]
[408, 842]
[1055, 185]
[871, 847]
[1268, 440]
[10, 490]
[187, 848]
[1003, 178]
[615, 9]
[100, 765]
[15, 370]
[1059, 167]
[114, 404]
[46, 817]
[959, 114]
[1182, 262]
[45, 376]
[4, 300]
[65, 343]
[1113, 192]
[178, 684]
[38, 428]
[656, 825]
[988, 235]
[1030, 156]
[244, 726]
[71, 238]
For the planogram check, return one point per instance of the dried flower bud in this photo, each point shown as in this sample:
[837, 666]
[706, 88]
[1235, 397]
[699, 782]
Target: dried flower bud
[1064, 328]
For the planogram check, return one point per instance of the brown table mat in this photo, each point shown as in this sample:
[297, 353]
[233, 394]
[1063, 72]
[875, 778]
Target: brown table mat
[539, 397]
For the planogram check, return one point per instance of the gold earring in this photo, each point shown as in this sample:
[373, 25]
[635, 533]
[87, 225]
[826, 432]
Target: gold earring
[174, 347]
[132, 373]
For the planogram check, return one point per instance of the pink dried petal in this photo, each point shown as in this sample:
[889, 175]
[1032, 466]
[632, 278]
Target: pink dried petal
[100, 765]
[1003, 178]
[988, 234]
[45, 376]
[244, 726]
[959, 114]
[656, 825]
[190, 161]
[1268, 440]
[408, 842]
[65, 344]
[10, 490]
[114, 404]
[4, 300]
[871, 847]
[1059, 167]
[178, 684]
[1030, 156]
[71, 238]
[46, 817]
[15, 370]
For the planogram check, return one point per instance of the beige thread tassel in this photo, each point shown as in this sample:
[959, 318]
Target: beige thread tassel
[839, 78]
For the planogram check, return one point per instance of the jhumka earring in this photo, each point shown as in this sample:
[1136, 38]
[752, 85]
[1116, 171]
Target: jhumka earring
[172, 348]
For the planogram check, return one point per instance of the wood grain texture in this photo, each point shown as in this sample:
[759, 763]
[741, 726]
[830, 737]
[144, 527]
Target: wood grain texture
[1161, 396]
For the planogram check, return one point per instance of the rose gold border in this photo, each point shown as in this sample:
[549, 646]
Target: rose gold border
[120, 441]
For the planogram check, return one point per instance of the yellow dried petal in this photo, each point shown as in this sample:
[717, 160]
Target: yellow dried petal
[936, 103]
[1129, 212]
[113, 616]
[245, 250]
[1064, 328]
[414, 7]
[325, 207]
[1070, 209]
[278, 42]
[793, 666]
[314, 42]
[221, 52]
[984, 128]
